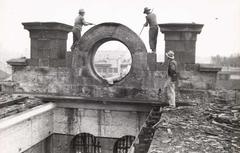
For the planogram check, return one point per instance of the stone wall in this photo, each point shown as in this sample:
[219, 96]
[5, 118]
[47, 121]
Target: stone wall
[32, 134]
[73, 73]
[181, 38]
[198, 76]
[26, 133]
[103, 123]
[52, 70]
[228, 80]
[59, 81]
[48, 43]
[106, 125]
[59, 143]
[44, 146]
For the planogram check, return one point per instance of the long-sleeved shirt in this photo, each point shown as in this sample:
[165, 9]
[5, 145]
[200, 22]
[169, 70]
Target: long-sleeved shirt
[79, 22]
[151, 19]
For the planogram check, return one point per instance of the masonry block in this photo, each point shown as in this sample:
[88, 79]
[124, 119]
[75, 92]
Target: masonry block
[48, 41]
[181, 38]
[152, 60]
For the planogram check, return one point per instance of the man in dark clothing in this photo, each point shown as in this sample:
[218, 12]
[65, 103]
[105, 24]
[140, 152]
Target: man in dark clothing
[169, 86]
[151, 20]
[77, 28]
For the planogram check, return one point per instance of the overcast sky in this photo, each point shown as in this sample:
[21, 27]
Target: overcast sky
[220, 34]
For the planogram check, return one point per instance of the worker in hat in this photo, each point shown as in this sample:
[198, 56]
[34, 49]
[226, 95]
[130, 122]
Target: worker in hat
[169, 87]
[77, 28]
[151, 20]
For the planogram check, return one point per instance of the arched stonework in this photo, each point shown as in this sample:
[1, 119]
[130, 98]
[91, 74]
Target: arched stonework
[123, 144]
[89, 43]
[86, 143]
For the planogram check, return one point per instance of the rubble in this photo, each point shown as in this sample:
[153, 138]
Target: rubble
[213, 125]
[13, 103]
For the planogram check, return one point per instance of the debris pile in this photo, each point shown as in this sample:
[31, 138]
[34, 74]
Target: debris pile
[11, 104]
[212, 125]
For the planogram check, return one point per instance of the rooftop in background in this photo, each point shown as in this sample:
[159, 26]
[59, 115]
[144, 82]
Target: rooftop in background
[3, 75]
[235, 69]
[11, 104]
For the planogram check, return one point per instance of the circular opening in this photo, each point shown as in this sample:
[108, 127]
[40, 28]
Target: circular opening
[112, 61]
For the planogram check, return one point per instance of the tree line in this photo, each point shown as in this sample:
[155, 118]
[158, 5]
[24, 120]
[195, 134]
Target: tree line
[231, 61]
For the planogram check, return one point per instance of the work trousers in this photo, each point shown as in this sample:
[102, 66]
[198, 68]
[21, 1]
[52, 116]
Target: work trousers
[76, 36]
[153, 33]
[169, 92]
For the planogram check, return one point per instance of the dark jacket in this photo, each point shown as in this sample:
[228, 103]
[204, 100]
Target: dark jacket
[172, 70]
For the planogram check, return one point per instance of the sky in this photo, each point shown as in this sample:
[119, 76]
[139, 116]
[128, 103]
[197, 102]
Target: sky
[220, 34]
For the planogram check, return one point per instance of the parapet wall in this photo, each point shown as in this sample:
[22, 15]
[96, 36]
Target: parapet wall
[48, 72]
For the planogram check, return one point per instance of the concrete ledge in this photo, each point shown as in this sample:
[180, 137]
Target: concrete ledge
[180, 27]
[18, 61]
[120, 104]
[20, 117]
[209, 68]
[46, 25]
[52, 98]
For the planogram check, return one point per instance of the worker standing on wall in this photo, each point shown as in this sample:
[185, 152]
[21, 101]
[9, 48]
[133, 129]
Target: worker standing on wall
[169, 87]
[151, 20]
[77, 28]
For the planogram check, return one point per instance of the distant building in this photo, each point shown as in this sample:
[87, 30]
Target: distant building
[112, 68]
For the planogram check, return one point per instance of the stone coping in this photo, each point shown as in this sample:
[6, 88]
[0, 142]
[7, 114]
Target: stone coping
[18, 61]
[209, 68]
[180, 27]
[52, 98]
[20, 117]
[47, 26]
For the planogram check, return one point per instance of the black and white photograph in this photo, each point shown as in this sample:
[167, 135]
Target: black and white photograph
[120, 76]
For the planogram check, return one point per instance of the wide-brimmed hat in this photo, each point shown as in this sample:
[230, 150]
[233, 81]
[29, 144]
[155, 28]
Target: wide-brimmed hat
[170, 54]
[81, 11]
[146, 9]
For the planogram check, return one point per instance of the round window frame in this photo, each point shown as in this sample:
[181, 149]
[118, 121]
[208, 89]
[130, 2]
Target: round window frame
[101, 33]
[92, 54]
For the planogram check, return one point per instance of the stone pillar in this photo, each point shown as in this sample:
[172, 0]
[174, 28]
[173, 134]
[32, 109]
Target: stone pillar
[48, 43]
[181, 38]
[152, 60]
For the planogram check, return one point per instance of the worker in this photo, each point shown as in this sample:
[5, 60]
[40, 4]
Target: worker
[169, 86]
[151, 20]
[77, 28]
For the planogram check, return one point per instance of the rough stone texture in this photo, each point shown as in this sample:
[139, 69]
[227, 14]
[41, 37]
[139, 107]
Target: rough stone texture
[74, 75]
[95, 37]
[181, 38]
[48, 43]
[228, 80]
[196, 80]
[59, 81]
[152, 61]
[44, 146]
[103, 123]
[107, 125]
[198, 76]
[78, 77]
